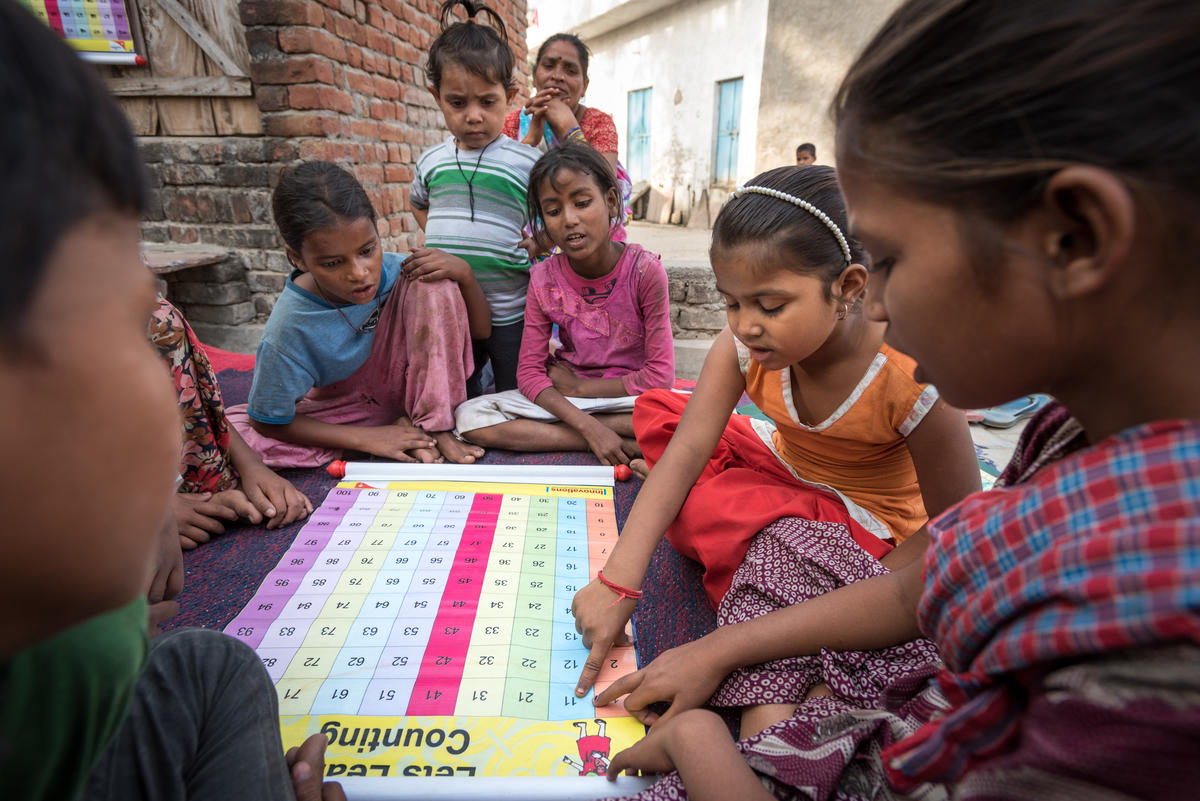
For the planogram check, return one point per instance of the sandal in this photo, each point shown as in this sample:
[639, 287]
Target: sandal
[1007, 415]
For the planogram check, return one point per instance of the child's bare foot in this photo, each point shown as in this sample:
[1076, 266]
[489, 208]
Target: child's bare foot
[640, 468]
[456, 450]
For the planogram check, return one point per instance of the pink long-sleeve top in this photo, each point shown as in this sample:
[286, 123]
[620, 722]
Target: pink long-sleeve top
[618, 325]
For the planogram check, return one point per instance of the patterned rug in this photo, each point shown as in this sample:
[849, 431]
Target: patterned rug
[221, 576]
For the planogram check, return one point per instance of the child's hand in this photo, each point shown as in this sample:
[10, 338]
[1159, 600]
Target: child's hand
[199, 517]
[531, 246]
[395, 441]
[605, 443]
[563, 380]
[649, 755]
[685, 676]
[167, 581]
[430, 264]
[306, 764]
[274, 496]
[602, 624]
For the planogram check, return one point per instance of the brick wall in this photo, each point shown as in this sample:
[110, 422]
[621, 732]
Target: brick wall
[339, 80]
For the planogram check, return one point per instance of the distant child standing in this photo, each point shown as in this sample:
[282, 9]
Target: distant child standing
[858, 448]
[469, 191]
[358, 355]
[610, 303]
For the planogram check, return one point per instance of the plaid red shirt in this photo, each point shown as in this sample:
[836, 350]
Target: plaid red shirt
[1097, 552]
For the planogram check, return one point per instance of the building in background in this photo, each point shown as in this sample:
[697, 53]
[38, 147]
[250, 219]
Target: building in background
[229, 93]
[707, 93]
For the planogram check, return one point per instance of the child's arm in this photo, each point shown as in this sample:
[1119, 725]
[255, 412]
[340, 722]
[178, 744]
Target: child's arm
[538, 244]
[430, 264]
[272, 495]
[944, 456]
[571, 385]
[600, 621]
[698, 745]
[389, 442]
[602, 440]
[869, 614]
[421, 216]
[535, 382]
[166, 581]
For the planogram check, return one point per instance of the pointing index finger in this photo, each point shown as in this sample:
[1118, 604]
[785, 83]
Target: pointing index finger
[591, 667]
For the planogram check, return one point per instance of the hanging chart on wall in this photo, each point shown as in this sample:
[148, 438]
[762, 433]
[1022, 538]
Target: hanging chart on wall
[98, 29]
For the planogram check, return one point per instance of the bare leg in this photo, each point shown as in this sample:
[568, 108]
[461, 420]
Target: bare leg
[528, 435]
[536, 436]
[454, 449]
[758, 718]
[622, 423]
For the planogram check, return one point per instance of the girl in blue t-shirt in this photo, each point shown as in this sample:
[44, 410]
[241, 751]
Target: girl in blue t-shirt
[361, 353]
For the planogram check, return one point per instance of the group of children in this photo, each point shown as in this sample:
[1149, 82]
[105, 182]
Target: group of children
[986, 234]
[373, 352]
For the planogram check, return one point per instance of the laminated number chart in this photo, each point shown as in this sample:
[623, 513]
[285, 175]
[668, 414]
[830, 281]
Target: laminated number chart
[99, 28]
[422, 620]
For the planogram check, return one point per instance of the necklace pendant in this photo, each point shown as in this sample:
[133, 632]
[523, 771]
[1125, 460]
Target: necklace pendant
[371, 322]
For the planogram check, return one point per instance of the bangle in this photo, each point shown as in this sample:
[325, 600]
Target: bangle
[575, 135]
[622, 592]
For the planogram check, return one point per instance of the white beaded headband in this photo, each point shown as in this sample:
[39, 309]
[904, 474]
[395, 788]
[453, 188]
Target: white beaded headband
[804, 204]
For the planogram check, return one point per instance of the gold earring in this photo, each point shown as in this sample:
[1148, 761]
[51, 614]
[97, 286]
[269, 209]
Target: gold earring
[843, 311]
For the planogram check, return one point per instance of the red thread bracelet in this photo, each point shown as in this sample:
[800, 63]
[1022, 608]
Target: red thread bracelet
[622, 592]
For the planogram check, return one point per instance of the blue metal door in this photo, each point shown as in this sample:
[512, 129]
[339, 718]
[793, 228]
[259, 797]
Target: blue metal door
[638, 135]
[729, 116]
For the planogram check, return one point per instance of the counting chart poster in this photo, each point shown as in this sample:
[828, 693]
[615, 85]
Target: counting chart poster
[425, 627]
[90, 26]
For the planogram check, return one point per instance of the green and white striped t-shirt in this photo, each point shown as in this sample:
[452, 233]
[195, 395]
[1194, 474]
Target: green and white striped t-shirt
[491, 244]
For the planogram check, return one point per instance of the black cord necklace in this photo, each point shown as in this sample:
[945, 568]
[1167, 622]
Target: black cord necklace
[368, 324]
[470, 181]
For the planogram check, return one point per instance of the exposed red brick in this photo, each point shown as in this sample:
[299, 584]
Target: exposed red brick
[298, 124]
[294, 69]
[279, 12]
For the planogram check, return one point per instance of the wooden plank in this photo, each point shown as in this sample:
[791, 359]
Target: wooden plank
[149, 86]
[232, 116]
[201, 37]
[141, 111]
[173, 54]
[169, 258]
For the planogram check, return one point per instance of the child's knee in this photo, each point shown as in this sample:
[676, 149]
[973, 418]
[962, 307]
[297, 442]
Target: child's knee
[488, 436]
[433, 298]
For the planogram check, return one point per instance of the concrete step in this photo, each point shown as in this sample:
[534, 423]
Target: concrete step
[689, 357]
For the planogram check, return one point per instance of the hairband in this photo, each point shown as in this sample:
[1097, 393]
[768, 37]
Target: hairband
[804, 204]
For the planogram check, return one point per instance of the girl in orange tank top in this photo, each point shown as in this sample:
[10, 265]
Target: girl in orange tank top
[855, 441]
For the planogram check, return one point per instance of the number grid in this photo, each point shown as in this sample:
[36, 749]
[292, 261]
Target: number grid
[410, 601]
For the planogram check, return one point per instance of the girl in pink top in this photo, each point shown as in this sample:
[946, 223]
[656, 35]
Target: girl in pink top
[609, 301]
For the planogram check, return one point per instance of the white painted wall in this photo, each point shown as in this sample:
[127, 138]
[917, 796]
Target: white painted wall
[680, 50]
